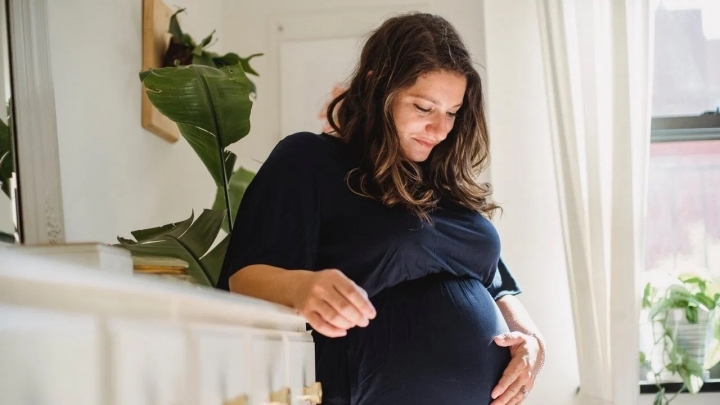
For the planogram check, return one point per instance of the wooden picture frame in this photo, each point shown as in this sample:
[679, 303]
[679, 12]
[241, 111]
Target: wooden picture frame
[155, 38]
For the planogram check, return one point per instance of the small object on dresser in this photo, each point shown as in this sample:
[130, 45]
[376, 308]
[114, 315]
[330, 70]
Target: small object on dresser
[313, 393]
[97, 256]
[168, 268]
[239, 400]
[281, 397]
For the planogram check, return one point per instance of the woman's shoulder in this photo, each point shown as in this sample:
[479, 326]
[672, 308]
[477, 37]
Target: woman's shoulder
[303, 143]
[306, 152]
[307, 147]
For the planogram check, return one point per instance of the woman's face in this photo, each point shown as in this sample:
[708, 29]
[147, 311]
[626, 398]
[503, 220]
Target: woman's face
[425, 113]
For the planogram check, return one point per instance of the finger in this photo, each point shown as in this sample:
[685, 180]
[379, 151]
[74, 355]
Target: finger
[357, 297]
[530, 384]
[517, 399]
[345, 308]
[512, 372]
[511, 394]
[330, 314]
[318, 324]
[520, 397]
[509, 339]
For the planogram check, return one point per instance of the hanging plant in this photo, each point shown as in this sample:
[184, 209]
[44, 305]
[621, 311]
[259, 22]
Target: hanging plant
[184, 50]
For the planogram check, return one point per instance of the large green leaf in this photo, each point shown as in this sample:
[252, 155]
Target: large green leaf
[175, 29]
[172, 247]
[209, 105]
[233, 59]
[230, 59]
[176, 228]
[202, 58]
[238, 183]
[186, 240]
[207, 40]
[197, 237]
[213, 261]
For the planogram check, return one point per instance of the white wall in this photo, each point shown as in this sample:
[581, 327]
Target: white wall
[524, 182]
[117, 177]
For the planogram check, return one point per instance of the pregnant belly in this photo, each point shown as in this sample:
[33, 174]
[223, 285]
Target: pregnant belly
[431, 343]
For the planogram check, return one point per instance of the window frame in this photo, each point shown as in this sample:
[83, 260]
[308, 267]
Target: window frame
[682, 129]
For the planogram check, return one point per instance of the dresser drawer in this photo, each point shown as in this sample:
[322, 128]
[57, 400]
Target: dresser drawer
[49, 358]
[220, 361]
[231, 363]
[148, 363]
[281, 362]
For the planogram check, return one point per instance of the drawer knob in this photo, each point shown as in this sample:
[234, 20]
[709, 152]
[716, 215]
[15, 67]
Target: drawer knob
[313, 393]
[281, 397]
[238, 400]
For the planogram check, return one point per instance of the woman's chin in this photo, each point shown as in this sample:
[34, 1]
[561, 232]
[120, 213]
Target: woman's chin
[418, 156]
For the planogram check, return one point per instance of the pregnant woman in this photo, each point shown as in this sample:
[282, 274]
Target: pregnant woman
[379, 234]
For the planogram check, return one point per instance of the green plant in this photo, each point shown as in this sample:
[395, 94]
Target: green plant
[7, 164]
[183, 50]
[693, 295]
[185, 240]
[211, 107]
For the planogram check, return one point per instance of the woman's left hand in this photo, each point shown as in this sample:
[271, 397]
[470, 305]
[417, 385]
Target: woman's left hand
[519, 376]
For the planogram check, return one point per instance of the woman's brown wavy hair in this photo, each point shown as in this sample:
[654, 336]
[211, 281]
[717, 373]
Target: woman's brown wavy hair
[402, 49]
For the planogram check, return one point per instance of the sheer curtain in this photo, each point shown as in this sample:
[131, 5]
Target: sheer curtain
[597, 56]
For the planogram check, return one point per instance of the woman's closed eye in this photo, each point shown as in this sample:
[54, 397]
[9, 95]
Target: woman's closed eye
[429, 110]
[422, 110]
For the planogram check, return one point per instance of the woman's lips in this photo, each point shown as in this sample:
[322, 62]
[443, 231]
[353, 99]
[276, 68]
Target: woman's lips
[425, 143]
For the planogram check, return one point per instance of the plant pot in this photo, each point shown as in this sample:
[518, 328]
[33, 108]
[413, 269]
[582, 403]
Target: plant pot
[165, 268]
[694, 339]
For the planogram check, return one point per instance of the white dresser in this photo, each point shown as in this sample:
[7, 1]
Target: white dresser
[73, 335]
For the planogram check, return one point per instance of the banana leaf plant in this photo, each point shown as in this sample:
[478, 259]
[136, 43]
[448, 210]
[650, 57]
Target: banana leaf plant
[7, 165]
[211, 107]
[183, 50]
[187, 240]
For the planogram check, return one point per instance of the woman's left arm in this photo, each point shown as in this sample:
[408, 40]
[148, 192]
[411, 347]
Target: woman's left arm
[527, 348]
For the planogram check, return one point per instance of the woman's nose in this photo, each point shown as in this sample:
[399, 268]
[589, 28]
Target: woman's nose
[439, 128]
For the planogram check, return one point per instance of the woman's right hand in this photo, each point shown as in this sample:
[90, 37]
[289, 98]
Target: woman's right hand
[332, 303]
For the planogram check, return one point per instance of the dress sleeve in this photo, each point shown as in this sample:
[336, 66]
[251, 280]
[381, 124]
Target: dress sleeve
[503, 282]
[277, 222]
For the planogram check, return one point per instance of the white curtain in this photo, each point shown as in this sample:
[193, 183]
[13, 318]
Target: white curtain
[597, 56]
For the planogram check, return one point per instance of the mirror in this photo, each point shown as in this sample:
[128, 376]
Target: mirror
[8, 179]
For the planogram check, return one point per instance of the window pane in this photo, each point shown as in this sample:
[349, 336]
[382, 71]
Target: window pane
[683, 211]
[687, 58]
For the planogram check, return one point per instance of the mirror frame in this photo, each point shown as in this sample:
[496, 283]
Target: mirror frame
[40, 204]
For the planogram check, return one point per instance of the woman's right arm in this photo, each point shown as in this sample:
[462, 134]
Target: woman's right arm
[330, 302]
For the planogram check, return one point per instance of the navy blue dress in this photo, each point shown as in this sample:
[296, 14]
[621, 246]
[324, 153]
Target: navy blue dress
[434, 286]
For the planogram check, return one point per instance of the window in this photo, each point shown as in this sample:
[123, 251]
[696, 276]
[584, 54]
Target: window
[683, 222]
[683, 207]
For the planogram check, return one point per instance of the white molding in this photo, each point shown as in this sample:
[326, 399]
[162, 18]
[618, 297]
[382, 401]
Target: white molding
[28, 279]
[38, 162]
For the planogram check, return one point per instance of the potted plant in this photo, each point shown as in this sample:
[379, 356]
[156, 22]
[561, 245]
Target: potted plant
[210, 103]
[683, 333]
[184, 50]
